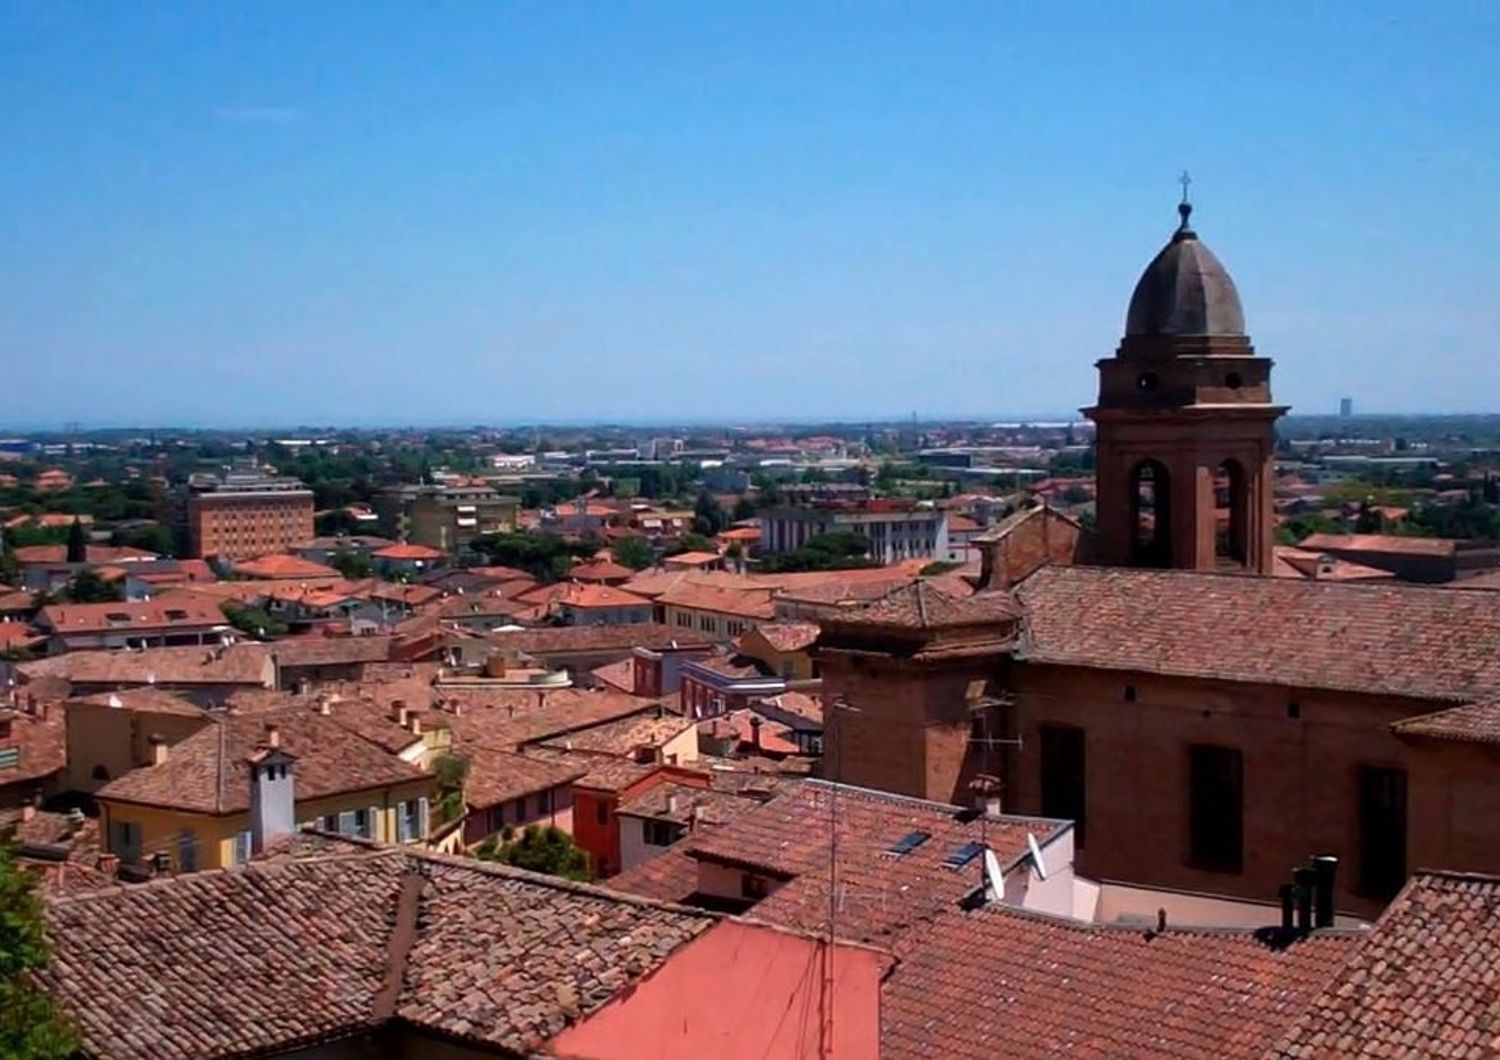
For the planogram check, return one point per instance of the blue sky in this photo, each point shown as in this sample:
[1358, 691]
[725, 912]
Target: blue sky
[271, 213]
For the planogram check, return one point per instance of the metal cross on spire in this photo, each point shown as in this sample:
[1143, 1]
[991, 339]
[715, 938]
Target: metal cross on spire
[1186, 181]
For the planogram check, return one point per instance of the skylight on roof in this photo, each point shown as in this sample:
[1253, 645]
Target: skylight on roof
[963, 855]
[909, 842]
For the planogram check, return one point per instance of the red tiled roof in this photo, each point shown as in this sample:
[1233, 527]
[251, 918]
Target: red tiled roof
[600, 571]
[1379, 637]
[238, 664]
[921, 605]
[496, 777]
[283, 565]
[167, 611]
[1411, 546]
[788, 636]
[1423, 984]
[1470, 723]
[41, 739]
[1046, 987]
[564, 639]
[321, 943]
[208, 772]
[408, 552]
[745, 603]
[691, 559]
[18, 635]
[96, 555]
[788, 838]
[587, 597]
[1291, 562]
[618, 675]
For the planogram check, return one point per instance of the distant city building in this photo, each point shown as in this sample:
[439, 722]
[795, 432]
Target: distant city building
[896, 530]
[1346, 407]
[446, 518]
[247, 513]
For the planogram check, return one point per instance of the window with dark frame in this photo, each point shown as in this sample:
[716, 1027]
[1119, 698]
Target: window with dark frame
[1382, 831]
[1216, 808]
[1064, 773]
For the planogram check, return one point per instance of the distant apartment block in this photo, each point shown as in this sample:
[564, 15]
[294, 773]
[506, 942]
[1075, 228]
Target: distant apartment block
[447, 518]
[246, 514]
[897, 530]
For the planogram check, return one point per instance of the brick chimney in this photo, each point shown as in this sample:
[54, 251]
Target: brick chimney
[109, 864]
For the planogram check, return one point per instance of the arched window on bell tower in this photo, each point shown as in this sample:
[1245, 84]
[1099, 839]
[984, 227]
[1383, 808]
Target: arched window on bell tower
[1231, 512]
[1150, 515]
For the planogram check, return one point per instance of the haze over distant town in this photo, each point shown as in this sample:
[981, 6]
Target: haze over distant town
[516, 215]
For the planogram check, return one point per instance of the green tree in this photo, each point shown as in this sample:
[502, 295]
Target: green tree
[452, 772]
[690, 542]
[88, 588]
[744, 508]
[842, 550]
[352, 565]
[633, 552]
[78, 543]
[253, 621]
[545, 849]
[31, 1027]
[154, 538]
[708, 515]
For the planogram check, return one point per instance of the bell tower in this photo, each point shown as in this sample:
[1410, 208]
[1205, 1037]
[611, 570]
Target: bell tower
[1185, 422]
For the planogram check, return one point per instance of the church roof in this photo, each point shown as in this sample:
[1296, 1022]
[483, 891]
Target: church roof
[1185, 291]
[1373, 637]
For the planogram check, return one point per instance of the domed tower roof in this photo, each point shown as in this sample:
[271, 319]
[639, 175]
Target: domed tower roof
[1185, 291]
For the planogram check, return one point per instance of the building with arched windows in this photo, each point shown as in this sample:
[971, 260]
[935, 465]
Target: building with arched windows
[1203, 723]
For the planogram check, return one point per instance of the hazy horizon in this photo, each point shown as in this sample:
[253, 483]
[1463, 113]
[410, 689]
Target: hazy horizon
[780, 213]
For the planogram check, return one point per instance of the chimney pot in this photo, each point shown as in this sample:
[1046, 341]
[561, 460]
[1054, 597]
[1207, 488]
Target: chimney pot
[109, 864]
[1305, 880]
[159, 749]
[28, 811]
[1325, 868]
[672, 805]
[273, 736]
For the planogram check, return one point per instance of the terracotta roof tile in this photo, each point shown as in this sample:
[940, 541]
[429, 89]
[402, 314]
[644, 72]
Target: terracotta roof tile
[1378, 637]
[589, 597]
[788, 838]
[788, 636]
[746, 603]
[1470, 723]
[500, 776]
[404, 551]
[1047, 987]
[283, 565]
[163, 612]
[237, 664]
[1410, 546]
[564, 639]
[1423, 984]
[600, 571]
[208, 772]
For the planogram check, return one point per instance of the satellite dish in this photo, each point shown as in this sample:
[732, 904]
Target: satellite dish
[993, 874]
[1036, 856]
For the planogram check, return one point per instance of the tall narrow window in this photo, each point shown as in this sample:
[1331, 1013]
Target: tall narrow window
[1382, 831]
[1216, 808]
[1231, 503]
[1151, 515]
[1064, 791]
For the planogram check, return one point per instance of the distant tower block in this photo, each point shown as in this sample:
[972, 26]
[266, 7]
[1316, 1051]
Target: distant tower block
[1346, 407]
[1185, 423]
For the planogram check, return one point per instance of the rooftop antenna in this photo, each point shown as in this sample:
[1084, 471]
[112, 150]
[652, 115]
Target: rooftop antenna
[825, 1043]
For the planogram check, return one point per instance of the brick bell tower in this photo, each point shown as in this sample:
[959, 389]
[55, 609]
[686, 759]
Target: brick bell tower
[1185, 423]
